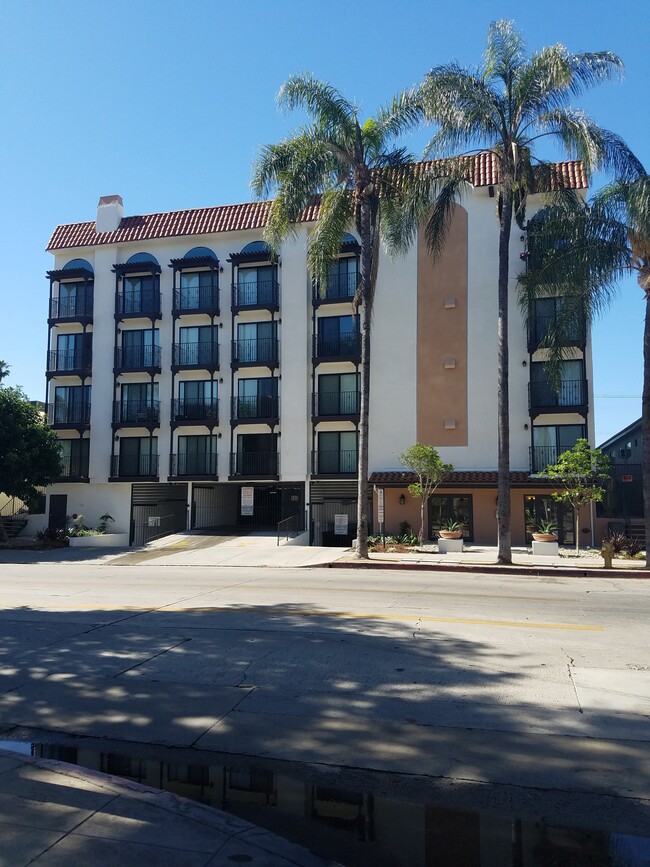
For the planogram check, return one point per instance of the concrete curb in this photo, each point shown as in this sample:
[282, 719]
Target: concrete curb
[477, 569]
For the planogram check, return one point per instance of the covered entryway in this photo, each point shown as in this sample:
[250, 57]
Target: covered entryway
[236, 506]
[329, 500]
[157, 510]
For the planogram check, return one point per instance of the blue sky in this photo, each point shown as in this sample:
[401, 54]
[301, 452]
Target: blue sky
[165, 102]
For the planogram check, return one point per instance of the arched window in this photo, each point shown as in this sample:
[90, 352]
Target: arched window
[256, 247]
[200, 253]
[77, 263]
[145, 258]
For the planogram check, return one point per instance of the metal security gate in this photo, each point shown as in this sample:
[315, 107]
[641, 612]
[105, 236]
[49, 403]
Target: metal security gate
[157, 510]
[329, 499]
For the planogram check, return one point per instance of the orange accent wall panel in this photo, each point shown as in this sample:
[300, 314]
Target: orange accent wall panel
[442, 339]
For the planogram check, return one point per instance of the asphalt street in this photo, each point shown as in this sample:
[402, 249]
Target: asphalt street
[538, 682]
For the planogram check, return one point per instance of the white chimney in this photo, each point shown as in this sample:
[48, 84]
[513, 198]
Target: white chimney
[110, 210]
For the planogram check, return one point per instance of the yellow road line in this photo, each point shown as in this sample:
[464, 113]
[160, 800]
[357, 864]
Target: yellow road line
[309, 612]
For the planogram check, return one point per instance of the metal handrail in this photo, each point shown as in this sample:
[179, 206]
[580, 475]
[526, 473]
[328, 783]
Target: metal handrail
[288, 527]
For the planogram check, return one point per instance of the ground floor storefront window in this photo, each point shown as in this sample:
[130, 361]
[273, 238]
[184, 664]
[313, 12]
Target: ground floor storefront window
[544, 508]
[451, 507]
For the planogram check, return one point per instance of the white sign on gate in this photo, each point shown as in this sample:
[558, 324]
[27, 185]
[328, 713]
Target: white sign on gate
[153, 521]
[340, 525]
[247, 501]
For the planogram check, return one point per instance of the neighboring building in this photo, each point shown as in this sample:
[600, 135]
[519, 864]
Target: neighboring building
[624, 500]
[196, 382]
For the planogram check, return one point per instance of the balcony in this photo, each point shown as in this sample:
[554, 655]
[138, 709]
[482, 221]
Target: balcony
[334, 405]
[196, 411]
[254, 465]
[255, 352]
[61, 415]
[193, 466]
[261, 295]
[137, 304]
[74, 469]
[69, 362]
[203, 355]
[339, 288]
[196, 299]
[571, 397]
[255, 408]
[541, 325]
[137, 358]
[79, 309]
[134, 467]
[335, 463]
[344, 347]
[542, 456]
[136, 413]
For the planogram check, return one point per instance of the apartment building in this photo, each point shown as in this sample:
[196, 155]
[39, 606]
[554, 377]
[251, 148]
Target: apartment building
[197, 381]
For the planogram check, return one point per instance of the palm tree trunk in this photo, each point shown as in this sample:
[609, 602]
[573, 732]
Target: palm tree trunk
[645, 428]
[504, 553]
[364, 408]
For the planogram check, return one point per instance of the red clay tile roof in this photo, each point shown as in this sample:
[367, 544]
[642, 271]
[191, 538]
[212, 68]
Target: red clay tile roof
[458, 479]
[482, 172]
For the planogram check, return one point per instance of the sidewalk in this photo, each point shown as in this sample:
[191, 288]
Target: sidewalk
[52, 813]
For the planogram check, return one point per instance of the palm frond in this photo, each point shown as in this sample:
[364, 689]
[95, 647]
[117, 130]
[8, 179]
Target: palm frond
[323, 102]
[504, 52]
[403, 114]
[324, 242]
[439, 218]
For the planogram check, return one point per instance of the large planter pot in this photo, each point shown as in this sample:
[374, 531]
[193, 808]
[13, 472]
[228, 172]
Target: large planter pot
[108, 540]
[544, 537]
[450, 534]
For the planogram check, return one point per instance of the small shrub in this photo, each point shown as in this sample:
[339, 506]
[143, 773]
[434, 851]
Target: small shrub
[634, 547]
[617, 540]
[52, 538]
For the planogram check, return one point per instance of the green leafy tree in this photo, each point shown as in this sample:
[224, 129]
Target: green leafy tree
[427, 465]
[580, 252]
[30, 455]
[580, 472]
[506, 107]
[349, 164]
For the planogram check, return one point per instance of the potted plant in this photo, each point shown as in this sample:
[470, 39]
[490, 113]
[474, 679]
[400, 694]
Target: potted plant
[452, 530]
[531, 526]
[545, 532]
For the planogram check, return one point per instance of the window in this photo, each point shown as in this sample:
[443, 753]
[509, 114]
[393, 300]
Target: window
[337, 336]
[138, 456]
[547, 313]
[337, 452]
[198, 290]
[141, 348]
[256, 286]
[139, 402]
[338, 394]
[140, 294]
[451, 507]
[196, 775]
[74, 458]
[70, 354]
[257, 398]
[257, 342]
[343, 278]
[257, 454]
[549, 441]
[253, 779]
[197, 399]
[540, 508]
[198, 345]
[572, 390]
[71, 404]
[197, 455]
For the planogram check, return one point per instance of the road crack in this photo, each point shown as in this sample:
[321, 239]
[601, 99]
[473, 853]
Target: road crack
[570, 666]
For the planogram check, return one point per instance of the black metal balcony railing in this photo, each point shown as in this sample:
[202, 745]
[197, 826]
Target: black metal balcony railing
[137, 357]
[68, 413]
[263, 293]
[199, 409]
[203, 354]
[542, 456]
[136, 411]
[145, 302]
[193, 465]
[339, 287]
[254, 407]
[336, 403]
[572, 392]
[80, 307]
[256, 464]
[341, 346]
[541, 325]
[69, 360]
[260, 350]
[74, 467]
[194, 298]
[134, 466]
[334, 462]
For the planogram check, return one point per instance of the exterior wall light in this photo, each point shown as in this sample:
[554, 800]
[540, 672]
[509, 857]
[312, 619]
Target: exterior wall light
[402, 499]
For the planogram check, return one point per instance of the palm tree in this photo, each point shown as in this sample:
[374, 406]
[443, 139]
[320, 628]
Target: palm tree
[346, 163]
[4, 370]
[579, 252]
[506, 107]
